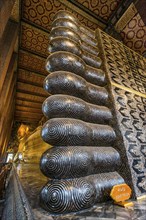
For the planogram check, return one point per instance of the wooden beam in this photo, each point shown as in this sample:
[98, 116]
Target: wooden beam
[7, 102]
[28, 115]
[5, 109]
[5, 12]
[6, 132]
[28, 104]
[35, 53]
[28, 97]
[5, 123]
[32, 78]
[28, 109]
[6, 114]
[7, 83]
[7, 46]
[6, 142]
[31, 89]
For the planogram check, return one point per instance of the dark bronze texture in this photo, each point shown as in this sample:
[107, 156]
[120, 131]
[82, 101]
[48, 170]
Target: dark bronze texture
[68, 83]
[68, 15]
[64, 22]
[67, 61]
[65, 44]
[72, 195]
[82, 163]
[69, 132]
[71, 162]
[66, 106]
[71, 34]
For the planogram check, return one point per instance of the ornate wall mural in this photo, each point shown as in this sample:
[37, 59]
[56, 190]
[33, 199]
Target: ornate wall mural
[102, 8]
[131, 115]
[132, 30]
[34, 40]
[134, 34]
[42, 13]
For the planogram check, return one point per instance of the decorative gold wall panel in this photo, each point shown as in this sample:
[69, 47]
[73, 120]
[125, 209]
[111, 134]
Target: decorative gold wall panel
[101, 8]
[42, 12]
[134, 34]
[126, 17]
[34, 39]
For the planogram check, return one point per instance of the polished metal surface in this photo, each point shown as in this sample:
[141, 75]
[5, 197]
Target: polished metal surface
[71, 34]
[67, 61]
[66, 22]
[78, 161]
[66, 106]
[72, 195]
[63, 82]
[82, 163]
[87, 31]
[70, 132]
[88, 34]
[65, 14]
[65, 44]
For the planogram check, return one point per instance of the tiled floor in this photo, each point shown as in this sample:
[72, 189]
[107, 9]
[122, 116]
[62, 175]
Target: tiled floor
[32, 180]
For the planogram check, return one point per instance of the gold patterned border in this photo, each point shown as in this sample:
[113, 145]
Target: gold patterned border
[15, 11]
[128, 89]
[126, 17]
[34, 39]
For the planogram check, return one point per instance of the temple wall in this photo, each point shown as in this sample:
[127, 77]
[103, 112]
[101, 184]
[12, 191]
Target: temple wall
[126, 72]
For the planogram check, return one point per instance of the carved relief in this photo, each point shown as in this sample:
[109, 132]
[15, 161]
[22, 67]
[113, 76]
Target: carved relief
[131, 124]
[121, 65]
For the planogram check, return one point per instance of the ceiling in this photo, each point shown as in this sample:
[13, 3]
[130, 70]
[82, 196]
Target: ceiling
[119, 18]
